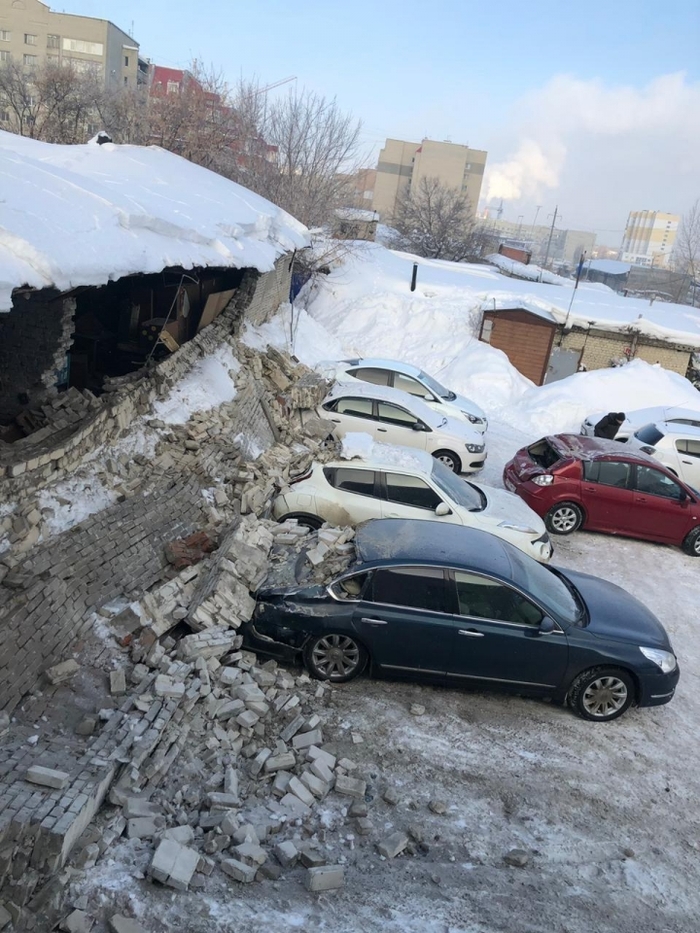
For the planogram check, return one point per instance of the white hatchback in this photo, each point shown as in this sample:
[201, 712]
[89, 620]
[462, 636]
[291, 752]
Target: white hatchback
[411, 379]
[397, 483]
[642, 416]
[675, 445]
[394, 417]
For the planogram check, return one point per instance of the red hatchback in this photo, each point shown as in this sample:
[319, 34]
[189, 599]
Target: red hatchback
[575, 482]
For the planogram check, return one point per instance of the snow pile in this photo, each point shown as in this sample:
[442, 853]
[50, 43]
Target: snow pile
[86, 215]
[297, 333]
[531, 272]
[207, 385]
[561, 406]
[358, 444]
[71, 502]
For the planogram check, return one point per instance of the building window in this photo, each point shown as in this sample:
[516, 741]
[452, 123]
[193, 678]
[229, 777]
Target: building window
[52, 59]
[173, 87]
[80, 45]
[81, 66]
[5, 35]
[126, 81]
[30, 60]
[5, 56]
[126, 61]
[29, 38]
[53, 42]
[4, 116]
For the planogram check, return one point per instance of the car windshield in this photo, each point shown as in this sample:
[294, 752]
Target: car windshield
[435, 387]
[649, 434]
[460, 492]
[549, 587]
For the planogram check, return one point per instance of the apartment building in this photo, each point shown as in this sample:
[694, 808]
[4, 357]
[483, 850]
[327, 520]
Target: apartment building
[31, 34]
[649, 239]
[403, 164]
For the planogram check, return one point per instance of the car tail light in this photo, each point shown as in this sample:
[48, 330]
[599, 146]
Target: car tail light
[300, 476]
[544, 479]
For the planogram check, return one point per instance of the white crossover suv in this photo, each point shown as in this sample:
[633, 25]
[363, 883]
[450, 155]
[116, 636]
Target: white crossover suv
[641, 417]
[409, 379]
[394, 417]
[675, 445]
[394, 482]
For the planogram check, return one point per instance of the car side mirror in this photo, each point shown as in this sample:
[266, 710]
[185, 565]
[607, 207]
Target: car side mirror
[428, 397]
[683, 496]
[443, 508]
[418, 426]
[546, 626]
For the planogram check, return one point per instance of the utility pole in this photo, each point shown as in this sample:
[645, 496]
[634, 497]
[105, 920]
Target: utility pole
[549, 241]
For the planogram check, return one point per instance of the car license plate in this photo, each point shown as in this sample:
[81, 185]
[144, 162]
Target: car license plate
[510, 485]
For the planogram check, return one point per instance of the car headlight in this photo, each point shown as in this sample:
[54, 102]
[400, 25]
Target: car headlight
[512, 526]
[475, 448]
[665, 659]
[475, 419]
[544, 479]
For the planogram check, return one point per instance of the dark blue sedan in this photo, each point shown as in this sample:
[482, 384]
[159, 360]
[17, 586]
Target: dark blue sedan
[454, 605]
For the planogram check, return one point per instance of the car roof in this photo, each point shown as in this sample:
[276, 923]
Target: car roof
[385, 394]
[671, 427]
[407, 369]
[580, 447]
[416, 541]
[413, 461]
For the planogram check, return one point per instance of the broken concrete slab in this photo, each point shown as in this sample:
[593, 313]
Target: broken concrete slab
[121, 924]
[239, 871]
[62, 672]
[393, 845]
[350, 786]
[173, 864]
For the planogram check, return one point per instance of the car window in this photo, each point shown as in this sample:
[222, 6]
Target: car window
[413, 587]
[649, 434]
[378, 377]
[350, 587]
[485, 598]
[607, 473]
[348, 479]
[411, 490]
[685, 446]
[395, 415]
[462, 493]
[360, 407]
[655, 483]
[407, 384]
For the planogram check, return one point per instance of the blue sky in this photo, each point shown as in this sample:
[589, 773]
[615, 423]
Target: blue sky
[479, 73]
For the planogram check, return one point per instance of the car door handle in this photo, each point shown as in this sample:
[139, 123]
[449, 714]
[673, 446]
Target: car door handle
[383, 430]
[640, 498]
[471, 632]
[375, 621]
[589, 488]
[335, 420]
[688, 462]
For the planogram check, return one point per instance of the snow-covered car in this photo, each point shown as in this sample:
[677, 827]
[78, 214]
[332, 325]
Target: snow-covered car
[395, 482]
[640, 417]
[676, 445]
[394, 417]
[409, 379]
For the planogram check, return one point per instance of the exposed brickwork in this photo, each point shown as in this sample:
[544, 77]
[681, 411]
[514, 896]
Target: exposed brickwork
[600, 348]
[43, 328]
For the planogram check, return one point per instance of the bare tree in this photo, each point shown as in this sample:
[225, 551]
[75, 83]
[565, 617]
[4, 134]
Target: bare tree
[436, 221]
[687, 247]
[311, 145]
[50, 102]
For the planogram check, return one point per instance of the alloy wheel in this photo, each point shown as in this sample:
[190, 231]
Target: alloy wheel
[564, 519]
[335, 656]
[604, 696]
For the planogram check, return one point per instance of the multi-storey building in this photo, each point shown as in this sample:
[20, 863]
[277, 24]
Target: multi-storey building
[31, 34]
[649, 238]
[402, 165]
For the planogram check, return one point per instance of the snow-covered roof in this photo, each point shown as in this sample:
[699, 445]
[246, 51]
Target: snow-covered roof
[356, 213]
[89, 214]
[608, 266]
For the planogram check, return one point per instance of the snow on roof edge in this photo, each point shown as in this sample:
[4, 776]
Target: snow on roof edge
[90, 214]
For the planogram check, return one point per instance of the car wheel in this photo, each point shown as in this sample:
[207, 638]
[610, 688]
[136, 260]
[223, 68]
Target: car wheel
[564, 518]
[334, 657]
[309, 521]
[449, 459]
[601, 694]
[691, 544]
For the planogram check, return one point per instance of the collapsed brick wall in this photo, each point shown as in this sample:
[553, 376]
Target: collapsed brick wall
[47, 598]
[43, 326]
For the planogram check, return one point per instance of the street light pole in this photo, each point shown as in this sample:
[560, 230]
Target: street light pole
[549, 241]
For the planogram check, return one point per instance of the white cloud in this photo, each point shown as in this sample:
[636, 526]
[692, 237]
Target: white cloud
[603, 150]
